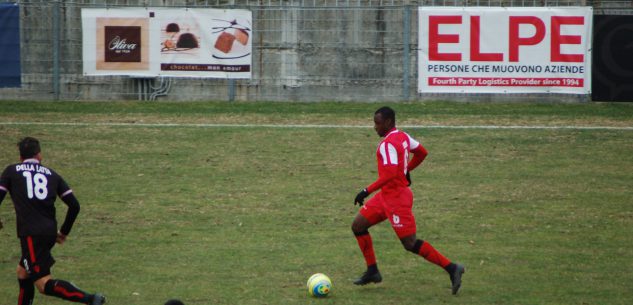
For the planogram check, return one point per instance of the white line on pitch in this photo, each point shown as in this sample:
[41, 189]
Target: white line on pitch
[114, 124]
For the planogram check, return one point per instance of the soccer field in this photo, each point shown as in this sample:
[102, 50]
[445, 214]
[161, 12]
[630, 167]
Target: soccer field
[239, 203]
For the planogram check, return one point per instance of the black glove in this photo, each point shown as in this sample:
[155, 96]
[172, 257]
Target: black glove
[360, 198]
[408, 178]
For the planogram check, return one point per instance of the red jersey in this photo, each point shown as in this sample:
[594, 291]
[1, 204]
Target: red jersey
[392, 156]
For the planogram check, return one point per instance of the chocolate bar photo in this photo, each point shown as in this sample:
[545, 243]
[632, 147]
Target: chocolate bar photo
[225, 42]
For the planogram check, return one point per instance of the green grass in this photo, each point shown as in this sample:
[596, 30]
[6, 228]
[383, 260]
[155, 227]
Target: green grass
[244, 215]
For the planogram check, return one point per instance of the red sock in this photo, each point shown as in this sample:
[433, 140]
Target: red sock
[367, 247]
[430, 254]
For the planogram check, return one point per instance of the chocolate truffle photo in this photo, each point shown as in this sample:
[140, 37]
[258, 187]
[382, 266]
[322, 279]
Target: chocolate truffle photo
[180, 36]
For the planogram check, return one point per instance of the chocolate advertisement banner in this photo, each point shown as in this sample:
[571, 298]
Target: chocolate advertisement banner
[204, 42]
[148, 42]
[11, 73]
[504, 50]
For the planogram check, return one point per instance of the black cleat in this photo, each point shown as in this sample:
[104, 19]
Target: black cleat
[367, 278]
[98, 299]
[456, 277]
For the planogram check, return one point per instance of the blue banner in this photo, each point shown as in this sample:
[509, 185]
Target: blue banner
[10, 72]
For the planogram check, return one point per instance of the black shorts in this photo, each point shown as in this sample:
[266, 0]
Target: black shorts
[36, 255]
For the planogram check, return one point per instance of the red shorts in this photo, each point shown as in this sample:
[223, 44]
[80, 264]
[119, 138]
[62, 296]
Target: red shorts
[396, 208]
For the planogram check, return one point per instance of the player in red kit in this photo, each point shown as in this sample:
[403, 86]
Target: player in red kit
[395, 200]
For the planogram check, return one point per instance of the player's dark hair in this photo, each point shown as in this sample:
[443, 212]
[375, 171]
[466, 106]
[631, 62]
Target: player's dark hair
[174, 302]
[29, 147]
[387, 113]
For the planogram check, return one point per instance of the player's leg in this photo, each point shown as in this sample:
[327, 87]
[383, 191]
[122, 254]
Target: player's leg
[67, 291]
[38, 262]
[370, 214]
[403, 223]
[426, 250]
[27, 289]
[360, 227]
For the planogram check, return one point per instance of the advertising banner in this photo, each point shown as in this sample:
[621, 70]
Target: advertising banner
[11, 73]
[147, 42]
[504, 50]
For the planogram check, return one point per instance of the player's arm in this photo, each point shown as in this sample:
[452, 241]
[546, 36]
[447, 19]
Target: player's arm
[3, 193]
[73, 210]
[4, 188]
[419, 154]
[387, 166]
[4, 185]
[385, 174]
[387, 170]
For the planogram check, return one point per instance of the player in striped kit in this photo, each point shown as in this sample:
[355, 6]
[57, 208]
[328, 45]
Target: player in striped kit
[394, 201]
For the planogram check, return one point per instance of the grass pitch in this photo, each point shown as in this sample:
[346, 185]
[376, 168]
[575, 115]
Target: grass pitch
[244, 215]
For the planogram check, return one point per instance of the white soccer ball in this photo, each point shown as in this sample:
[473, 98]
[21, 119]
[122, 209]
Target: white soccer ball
[319, 285]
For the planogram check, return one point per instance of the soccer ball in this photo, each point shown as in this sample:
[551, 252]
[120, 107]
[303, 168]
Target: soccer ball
[319, 285]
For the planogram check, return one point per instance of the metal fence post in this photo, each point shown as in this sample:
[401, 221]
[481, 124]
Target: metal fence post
[231, 90]
[56, 48]
[406, 58]
[231, 84]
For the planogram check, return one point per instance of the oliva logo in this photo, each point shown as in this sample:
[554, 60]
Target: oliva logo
[118, 44]
[396, 219]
